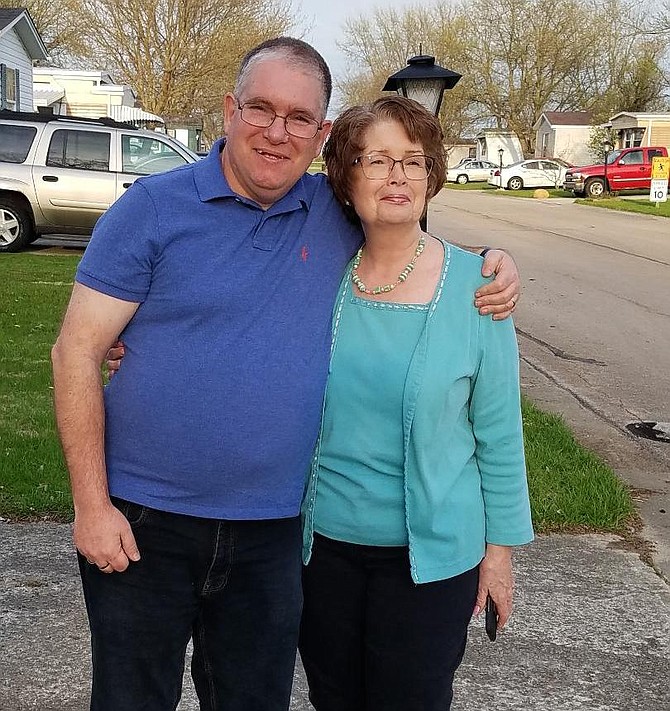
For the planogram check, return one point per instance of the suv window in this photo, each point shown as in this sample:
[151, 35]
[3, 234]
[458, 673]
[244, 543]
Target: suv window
[84, 150]
[632, 158]
[654, 152]
[143, 155]
[15, 142]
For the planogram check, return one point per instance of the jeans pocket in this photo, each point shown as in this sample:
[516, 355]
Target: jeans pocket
[136, 514]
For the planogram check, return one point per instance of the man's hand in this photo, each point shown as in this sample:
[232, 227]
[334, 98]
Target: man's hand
[113, 358]
[105, 539]
[502, 294]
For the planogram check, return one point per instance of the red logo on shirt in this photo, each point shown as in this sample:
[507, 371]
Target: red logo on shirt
[304, 253]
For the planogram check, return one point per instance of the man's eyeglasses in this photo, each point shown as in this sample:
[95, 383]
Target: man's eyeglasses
[297, 124]
[379, 167]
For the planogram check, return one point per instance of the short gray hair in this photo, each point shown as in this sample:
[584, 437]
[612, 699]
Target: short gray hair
[297, 53]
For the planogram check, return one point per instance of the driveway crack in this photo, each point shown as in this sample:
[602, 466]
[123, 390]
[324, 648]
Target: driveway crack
[559, 352]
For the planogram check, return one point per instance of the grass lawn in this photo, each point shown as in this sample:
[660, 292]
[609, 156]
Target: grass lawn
[477, 185]
[35, 289]
[571, 489]
[640, 206]
[526, 193]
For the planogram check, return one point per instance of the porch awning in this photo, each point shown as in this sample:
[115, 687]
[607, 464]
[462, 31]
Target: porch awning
[47, 96]
[131, 114]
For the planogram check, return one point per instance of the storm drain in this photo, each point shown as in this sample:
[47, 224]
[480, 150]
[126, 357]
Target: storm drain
[655, 431]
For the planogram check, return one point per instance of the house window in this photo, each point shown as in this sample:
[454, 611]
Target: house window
[10, 85]
[631, 137]
[545, 144]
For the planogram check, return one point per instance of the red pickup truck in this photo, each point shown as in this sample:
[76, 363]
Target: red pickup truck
[627, 169]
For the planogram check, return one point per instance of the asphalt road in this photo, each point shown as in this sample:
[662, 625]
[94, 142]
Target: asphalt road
[593, 325]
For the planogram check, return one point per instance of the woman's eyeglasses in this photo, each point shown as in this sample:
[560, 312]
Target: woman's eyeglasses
[380, 167]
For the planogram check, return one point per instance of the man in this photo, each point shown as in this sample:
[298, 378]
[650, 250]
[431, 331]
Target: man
[187, 481]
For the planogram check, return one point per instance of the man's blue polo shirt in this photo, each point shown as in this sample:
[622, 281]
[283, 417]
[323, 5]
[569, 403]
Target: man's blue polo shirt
[216, 407]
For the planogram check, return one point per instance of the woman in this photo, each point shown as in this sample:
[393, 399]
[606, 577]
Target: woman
[418, 489]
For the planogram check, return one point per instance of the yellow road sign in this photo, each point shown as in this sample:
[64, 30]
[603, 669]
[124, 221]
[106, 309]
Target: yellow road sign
[660, 168]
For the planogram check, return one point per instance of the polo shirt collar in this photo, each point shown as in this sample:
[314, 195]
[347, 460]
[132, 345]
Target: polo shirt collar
[211, 184]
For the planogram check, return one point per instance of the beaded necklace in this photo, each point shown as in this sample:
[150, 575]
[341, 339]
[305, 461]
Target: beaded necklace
[385, 288]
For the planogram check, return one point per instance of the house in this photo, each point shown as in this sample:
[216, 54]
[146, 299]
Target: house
[20, 46]
[463, 148]
[490, 141]
[641, 129]
[564, 134]
[88, 93]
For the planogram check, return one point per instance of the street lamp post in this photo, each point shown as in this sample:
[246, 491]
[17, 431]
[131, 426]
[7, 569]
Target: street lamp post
[425, 82]
[500, 157]
[607, 145]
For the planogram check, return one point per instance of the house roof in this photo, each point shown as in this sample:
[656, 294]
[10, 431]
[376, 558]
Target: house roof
[19, 20]
[565, 118]
[8, 15]
[640, 115]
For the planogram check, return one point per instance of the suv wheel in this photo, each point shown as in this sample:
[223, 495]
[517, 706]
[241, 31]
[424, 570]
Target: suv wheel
[514, 183]
[16, 227]
[462, 179]
[595, 188]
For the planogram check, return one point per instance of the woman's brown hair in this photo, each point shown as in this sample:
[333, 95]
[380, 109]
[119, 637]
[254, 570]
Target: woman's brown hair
[345, 142]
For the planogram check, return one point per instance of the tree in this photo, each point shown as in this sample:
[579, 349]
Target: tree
[379, 45]
[597, 137]
[55, 23]
[180, 56]
[518, 58]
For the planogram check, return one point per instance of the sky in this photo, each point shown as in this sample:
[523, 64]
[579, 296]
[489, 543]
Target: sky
[327, 18]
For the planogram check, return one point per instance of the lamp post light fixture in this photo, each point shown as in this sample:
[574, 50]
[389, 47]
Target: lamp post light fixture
[501, 151]
[608, 146]
[425, 82]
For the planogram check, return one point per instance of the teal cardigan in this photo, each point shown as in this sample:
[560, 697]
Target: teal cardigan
[464, 472]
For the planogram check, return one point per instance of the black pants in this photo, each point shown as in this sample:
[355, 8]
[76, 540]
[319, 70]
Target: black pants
[233, 586]
[373, 640]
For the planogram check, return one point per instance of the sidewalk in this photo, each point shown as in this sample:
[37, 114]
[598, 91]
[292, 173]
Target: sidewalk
[591, 631]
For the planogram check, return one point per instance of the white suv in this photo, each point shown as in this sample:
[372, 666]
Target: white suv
[58, 174]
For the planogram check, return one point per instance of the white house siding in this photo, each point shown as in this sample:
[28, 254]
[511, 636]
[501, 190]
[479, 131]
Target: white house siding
[571, 143]
[14, 56]
[567, 142]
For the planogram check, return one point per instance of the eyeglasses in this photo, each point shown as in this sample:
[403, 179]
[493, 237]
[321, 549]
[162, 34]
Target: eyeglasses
[297, 124]
[380, 167]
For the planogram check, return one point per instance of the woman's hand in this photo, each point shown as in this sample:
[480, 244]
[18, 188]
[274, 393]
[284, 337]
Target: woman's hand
[497, 580]
[500, 296]
[114, 357]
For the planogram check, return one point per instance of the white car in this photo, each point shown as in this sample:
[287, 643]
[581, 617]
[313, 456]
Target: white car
[529, 174]
[472, 171]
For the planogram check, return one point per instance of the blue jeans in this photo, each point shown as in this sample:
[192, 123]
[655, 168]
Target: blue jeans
[373, 640]
[232, 586]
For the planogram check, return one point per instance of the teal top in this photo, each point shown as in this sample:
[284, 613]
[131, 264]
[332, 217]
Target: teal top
[464, 475]
[361, 493]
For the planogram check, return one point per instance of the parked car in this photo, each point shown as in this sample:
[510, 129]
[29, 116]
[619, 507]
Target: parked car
[627, 169]
[534, 173]
[474, 170]
[58, 174]
[463, 161]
